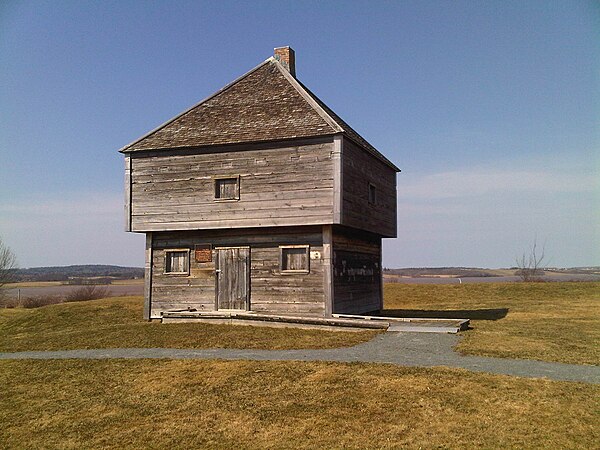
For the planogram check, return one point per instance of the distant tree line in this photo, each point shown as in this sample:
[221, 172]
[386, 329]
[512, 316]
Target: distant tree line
[78, 273]
[416, 272]
[8, 264]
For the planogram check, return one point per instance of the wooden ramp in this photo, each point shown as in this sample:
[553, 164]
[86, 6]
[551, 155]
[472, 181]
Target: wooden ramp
[336, 322]
[258, 319]
[416, 325]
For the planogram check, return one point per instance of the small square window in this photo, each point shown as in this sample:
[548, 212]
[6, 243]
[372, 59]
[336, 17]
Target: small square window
[372, 194]
[294, 258]
[227, 188]
[177, 261]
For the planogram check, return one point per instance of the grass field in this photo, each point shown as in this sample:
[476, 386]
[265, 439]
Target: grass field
[33, 284]
[117, 322]
[240, 404]
[72, 404]
[30, 284]
[547, 321]
[128, 282]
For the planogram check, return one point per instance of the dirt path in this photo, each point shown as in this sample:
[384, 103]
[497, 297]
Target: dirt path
[403, 349]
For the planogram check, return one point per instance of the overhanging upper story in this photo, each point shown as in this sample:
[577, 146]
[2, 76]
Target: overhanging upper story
[261, 152]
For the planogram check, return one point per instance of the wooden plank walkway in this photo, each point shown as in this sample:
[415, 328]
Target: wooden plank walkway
[338, 321]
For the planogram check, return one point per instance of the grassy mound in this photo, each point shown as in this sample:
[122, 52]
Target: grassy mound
[117, 323]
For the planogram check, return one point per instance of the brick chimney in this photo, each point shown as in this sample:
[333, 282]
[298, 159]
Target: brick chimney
[287, 57]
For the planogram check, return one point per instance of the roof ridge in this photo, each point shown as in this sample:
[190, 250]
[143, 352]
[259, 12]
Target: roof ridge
[350, 132]
[333, 119]
[306, 95]
[173, 119]
[311, 116]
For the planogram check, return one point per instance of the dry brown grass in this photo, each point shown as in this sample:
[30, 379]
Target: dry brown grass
[87, 292]
[128, 282]
[546, 321]
[36, 301]
[216, 404]
[28, 284]
[117, 322]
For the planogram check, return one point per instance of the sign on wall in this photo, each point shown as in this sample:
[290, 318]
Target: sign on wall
[203, 253]
[352, 267]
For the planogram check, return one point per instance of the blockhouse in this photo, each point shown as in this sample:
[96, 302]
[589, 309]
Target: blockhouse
[260, 198]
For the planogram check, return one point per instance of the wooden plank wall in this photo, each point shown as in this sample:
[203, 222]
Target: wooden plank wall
[278, 186]
[127, 193]
[270, 291]
[356, 272]
[148, 277]
[359, 169]
[328, 269]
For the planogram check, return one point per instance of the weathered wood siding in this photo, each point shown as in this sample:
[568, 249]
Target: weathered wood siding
[127, 193]
[278, 187]
[148, 276]
[356, 272]
[270, 290]
[360, 168]
[233, 278]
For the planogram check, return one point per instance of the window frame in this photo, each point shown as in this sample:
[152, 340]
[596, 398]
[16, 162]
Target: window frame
[236, 196]
[372, 194]
[187, 261]
[283, 271]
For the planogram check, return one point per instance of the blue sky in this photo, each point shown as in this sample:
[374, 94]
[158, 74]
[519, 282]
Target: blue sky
[491, 110]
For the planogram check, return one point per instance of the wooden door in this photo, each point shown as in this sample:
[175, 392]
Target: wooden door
[233, 278]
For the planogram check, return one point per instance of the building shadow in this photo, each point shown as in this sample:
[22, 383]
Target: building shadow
[473, 314]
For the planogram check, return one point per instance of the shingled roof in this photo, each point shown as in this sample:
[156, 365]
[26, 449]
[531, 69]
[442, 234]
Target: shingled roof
[265, 104]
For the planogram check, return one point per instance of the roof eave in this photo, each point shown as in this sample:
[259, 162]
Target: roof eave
[308, 96]
[376, 153]
[234, 144]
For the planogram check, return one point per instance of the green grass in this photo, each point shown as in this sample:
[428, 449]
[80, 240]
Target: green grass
[546, 321]
[117, 322]
[242, 404]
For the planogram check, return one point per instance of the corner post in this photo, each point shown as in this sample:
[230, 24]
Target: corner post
[338, 177]
[148, 277]
[127, 193]
[380, 275]
[328, 269]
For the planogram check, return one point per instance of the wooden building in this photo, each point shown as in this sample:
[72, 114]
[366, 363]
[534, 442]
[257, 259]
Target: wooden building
[260, 198]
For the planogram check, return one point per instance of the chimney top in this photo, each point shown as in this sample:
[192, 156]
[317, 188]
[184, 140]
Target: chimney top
[287, 57]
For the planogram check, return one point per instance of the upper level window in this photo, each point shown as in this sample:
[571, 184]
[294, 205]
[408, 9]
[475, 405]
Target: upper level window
[294, 258]
[227, 188]
[372, 194]
[177, 261]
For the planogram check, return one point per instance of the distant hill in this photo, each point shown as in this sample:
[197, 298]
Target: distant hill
[450, 272]
[462, 272]
[88, 271]
[105, 273]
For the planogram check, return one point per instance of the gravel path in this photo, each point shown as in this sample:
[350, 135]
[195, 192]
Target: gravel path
[403, 349]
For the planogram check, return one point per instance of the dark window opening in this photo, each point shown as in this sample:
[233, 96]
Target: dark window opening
[294, 259]
[227, 188]
[177, 261]
[372, 194]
